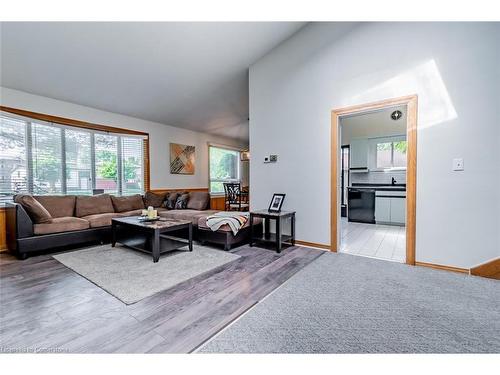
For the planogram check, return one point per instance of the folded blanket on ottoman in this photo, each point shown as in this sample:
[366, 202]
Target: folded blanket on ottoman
[235, 220]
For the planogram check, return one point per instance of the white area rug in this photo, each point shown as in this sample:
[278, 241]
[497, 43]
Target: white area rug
[130, 275]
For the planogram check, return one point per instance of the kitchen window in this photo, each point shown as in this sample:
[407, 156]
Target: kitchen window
[224, 164]
[391, 154]
[45, 158]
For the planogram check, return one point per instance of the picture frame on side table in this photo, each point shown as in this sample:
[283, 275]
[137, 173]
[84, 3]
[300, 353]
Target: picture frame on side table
[276, 202]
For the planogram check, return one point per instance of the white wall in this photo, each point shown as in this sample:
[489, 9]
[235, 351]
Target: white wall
[160, 136]
[454, 69]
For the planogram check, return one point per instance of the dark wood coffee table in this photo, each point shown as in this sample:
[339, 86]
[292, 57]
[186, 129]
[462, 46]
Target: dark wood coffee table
[150, 237]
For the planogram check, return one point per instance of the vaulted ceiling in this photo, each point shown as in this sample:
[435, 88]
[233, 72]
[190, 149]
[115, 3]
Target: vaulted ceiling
[189, 75]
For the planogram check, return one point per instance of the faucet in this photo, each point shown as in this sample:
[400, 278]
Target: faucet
[393, 181]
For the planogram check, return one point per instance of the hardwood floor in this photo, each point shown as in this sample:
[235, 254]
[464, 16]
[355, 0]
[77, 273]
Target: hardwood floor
[47, 307]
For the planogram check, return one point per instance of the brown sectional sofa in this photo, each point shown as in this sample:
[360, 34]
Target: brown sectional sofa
[38, 223]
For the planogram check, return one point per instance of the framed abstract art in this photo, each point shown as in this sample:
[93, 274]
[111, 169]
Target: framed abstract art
[181, 159]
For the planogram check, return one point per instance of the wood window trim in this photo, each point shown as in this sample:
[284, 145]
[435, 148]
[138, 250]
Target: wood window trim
[71, 122]
[90, 126]
[411, 103]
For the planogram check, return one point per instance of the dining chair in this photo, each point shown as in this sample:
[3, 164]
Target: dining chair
[234, 199]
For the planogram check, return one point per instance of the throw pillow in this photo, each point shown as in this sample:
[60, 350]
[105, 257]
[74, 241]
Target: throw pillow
[181, 202]
[153, 199]
[198, 200]
[170, 200]
[35, 210]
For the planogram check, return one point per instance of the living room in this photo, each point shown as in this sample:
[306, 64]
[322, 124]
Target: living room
[168, 188]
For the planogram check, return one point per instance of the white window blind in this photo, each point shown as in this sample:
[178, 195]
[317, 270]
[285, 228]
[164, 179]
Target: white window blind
[46, 155]
[78, 145]
[106, 163]
[132, 157]
[13, 165]
[45, 158]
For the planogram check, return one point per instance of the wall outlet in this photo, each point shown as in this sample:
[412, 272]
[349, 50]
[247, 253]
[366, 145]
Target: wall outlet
[458, 164]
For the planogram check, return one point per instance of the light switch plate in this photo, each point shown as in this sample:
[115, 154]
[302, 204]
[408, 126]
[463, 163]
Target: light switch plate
[458, 164]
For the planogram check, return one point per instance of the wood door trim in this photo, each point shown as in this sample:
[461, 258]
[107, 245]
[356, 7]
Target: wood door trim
[411, 103]
[486, 269]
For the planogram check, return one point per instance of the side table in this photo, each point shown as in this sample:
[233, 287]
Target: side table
[277, 238]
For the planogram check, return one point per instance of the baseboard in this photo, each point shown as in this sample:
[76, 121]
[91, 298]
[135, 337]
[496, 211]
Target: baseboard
[487, 269]
[441, 267]
[313, 244]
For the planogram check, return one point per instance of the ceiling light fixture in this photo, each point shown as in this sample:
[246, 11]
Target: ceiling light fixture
[396, 115]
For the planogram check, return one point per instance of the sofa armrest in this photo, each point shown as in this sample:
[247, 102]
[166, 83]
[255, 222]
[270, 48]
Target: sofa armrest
[18, 223]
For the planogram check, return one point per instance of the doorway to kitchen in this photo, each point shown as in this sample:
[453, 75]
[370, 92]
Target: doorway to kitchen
[373, 180]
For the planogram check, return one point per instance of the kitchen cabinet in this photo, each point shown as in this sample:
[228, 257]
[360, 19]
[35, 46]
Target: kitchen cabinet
[382, 209]
[390, 208]
[398, 210]
[359, 153]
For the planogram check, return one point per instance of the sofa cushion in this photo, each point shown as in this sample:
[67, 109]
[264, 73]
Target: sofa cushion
[101, 220]
[182, 201]
[202, 223]
[186, 214]
[154, 199]
[58, 205]
[170, 200]
[91, 205]
[127, 203]
[198, 200]
[34, 208]
[61, 224]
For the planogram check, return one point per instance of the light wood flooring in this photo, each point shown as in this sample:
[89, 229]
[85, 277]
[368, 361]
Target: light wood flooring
[47, 307]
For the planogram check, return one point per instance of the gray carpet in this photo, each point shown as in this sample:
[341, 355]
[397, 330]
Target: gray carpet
[346, 304]
[130, 275]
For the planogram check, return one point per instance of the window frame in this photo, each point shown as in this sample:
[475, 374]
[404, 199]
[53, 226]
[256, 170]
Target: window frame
[92, 129]
[238, 164]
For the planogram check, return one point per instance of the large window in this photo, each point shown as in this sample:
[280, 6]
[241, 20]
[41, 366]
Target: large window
[391, 154]
[224, 167]
[47, 158]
